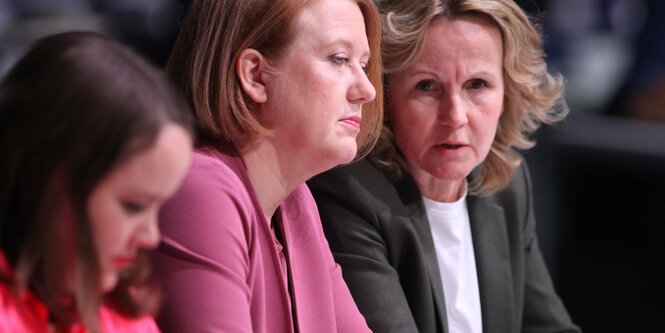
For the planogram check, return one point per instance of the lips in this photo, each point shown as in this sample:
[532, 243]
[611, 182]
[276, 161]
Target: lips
[353, 121]
[121, 262]
[451, 145]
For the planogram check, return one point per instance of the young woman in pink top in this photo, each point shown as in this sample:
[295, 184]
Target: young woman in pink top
[281, 90]
[93, 140]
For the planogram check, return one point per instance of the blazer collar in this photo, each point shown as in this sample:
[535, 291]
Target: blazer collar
[491, 247]
[495, 281]
[412, 200]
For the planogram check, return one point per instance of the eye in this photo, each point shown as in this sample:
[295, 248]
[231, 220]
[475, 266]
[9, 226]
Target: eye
[364, 67]
[338, 59]
[131, 207]
[477, 84]
[425, 85]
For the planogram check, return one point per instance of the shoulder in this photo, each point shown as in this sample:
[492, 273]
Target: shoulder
[211, 169]
[360, 195]
[359, 173]
[360, 180]
[212, 199]
[516, 199]
[212, 178]
[519, 186]
[209, 230]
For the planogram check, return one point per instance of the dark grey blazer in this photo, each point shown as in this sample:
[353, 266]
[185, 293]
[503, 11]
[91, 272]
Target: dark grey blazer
[380, 235]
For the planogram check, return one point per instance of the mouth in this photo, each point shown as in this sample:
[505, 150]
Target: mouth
[122, 262]
[353, 121]
[451, 145]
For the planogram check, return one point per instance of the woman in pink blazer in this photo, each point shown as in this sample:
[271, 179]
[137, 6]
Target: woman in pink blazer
[281, 91]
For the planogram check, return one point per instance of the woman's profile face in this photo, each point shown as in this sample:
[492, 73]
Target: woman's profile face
[317, 87]
[123, 207]
[446, 106]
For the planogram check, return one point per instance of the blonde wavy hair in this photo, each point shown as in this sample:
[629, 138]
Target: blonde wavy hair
[533, 96]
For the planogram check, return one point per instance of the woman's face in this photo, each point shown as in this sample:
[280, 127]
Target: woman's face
[123, 206]
[445, 107]
[317, 87]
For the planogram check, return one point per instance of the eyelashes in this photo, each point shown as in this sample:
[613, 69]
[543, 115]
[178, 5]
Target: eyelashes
[131, 207]
[425, 85]
[340, 60]
[477, 84]
[430, 85]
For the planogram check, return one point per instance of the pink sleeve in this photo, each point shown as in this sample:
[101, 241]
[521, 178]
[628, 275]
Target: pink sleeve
[203, 258]
[348, 317]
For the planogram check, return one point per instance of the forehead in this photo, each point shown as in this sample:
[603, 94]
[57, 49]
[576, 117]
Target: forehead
[466, 42]
[155, 168]
[457, 48]
[329, 17]
[466, 33]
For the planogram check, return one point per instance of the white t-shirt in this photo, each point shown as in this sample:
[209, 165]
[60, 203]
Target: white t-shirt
[451, 232]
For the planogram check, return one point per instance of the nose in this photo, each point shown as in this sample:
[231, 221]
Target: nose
[453, 110]
[361, 91]
[147, 234]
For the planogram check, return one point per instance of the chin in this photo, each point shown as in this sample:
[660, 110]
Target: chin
[348, 154]
[450, 174]
[333, 159]
[109, 282]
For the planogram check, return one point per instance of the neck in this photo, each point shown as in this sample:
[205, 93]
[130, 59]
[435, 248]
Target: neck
[273, 172]
[439, 190]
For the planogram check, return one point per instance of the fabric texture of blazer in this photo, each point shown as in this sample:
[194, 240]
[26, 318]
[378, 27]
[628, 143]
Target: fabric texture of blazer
[380, 235]
[225, 270]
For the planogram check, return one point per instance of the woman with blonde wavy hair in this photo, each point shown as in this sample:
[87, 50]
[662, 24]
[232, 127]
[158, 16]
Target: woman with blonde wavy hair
[435, 230]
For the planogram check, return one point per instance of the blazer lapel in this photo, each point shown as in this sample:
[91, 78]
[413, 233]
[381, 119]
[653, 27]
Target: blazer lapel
[490, 243]
[411, 198]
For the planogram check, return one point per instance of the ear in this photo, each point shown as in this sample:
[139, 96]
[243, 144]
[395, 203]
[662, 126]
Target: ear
[249, 68]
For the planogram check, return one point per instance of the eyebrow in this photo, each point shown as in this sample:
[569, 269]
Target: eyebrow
[346, 43]
[433, 73]
[150, 196]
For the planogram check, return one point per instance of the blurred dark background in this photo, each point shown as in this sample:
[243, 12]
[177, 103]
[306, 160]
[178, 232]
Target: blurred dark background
[150, 26]
[599, 177]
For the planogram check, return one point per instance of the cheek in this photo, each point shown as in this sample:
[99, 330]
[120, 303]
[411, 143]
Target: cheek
[105, 236]
[485, 130]
[107, 224]
[411, 128]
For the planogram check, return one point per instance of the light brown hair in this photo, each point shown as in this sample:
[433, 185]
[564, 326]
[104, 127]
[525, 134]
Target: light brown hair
[215, 32]
[533, 96]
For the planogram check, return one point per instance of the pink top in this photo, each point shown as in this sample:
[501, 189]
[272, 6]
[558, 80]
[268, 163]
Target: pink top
[225, 271]
[26, 313]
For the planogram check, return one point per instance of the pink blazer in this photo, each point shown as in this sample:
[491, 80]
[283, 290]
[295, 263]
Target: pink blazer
[224, 270]
[27, 313]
